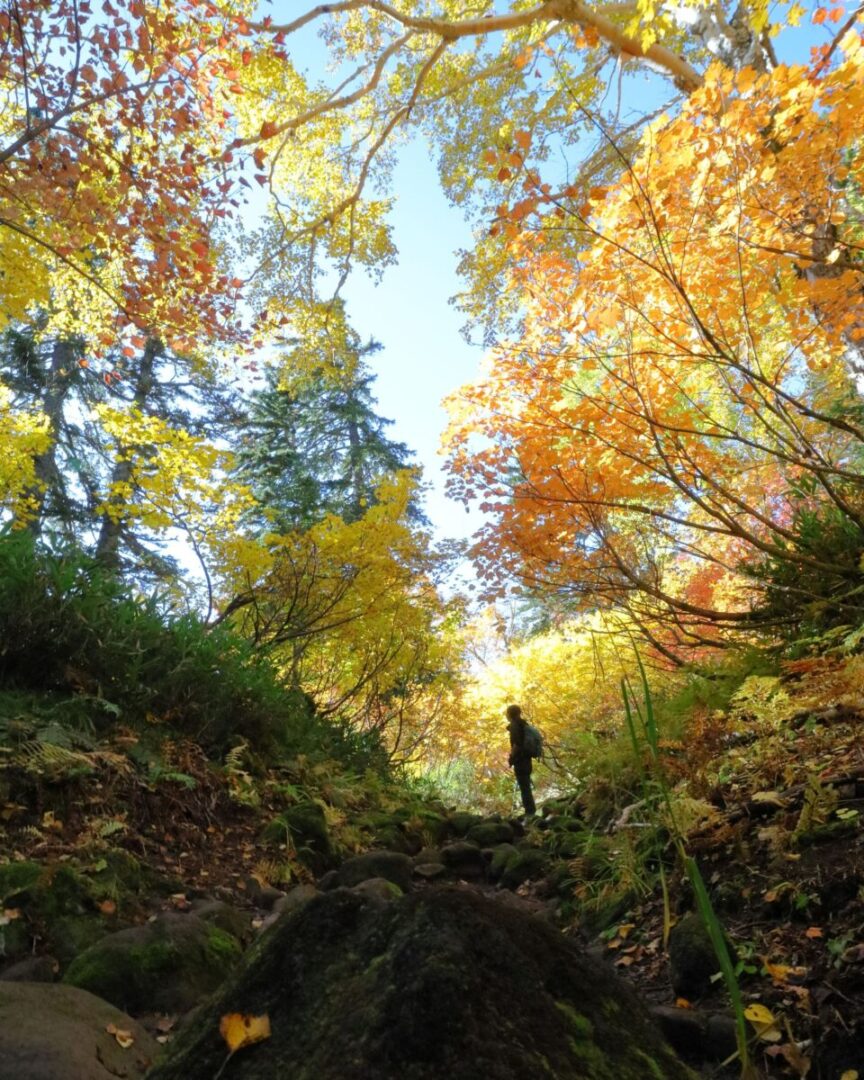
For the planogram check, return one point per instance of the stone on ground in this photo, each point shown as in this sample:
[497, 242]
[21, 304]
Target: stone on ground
[692, 959]
[391, 865]
[61, 1033]
[490, 833]
[463, 859]
[443, 982]
[167, 965]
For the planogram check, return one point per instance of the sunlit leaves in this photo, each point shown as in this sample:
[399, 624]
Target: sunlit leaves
[239, 1030]
[23, 435]
[680, 366]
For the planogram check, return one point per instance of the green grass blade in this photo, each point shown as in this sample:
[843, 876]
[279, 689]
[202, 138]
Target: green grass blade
[652, 732]
[631, 727]
[718, 940]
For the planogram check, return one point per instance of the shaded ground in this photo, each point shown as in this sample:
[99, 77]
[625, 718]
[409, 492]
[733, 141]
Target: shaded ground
[776, 830]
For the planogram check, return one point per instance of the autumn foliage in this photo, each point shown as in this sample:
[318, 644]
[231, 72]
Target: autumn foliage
[114, 170]
[684, 385]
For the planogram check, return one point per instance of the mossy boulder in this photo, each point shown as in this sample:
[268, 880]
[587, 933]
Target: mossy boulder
[434, 825]
[56, 906]
[461, 821]
[393, 866]
[490, 833]
[35, 969]
[439, 983]
[501, 855]
[463, 859]
[303, 827]
[226, 917]
[167, 965]
[61, 1033]
[521, 865]
[378, 888]
[395, 831]
[692, 959]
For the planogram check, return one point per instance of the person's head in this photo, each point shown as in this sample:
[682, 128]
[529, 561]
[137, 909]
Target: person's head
[514, 713]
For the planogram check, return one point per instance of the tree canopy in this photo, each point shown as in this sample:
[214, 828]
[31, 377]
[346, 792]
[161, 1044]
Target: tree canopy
[666, 268]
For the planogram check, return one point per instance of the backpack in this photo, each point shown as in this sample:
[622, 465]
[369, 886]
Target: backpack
[533, 741]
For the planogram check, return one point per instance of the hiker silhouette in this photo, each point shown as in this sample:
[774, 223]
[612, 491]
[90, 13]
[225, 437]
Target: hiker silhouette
[521, 757]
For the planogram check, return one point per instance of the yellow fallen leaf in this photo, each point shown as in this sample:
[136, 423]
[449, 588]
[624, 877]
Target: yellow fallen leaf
[764, 1022]
[780, 973]
[850, 1074]
[238, 1030]
[124, 1038]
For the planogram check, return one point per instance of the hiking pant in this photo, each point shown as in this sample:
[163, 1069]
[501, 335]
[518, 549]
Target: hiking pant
[523, 779]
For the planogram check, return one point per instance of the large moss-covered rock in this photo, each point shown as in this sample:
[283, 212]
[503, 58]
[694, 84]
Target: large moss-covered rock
[501, 856]
[434, 825]
[393, 866]
[304, 827]
[69, 906]
[60, 1033]
[167, 965]
[461, 821]
[692, 959]
[55, 905]
[32, 969]
[395, 831]
[520, 865]
[463, 859]
[490, 833]
[439, 983]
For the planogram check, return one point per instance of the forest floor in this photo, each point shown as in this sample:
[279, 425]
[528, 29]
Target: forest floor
[778, 838]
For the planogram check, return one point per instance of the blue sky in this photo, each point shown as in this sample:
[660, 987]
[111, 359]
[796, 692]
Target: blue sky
[424, 356]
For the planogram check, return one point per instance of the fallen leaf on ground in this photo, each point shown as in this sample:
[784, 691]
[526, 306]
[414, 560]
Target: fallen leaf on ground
[793, 1056]
[764, 1022]
[770, 798]
[124, 1038]
[780, 973]
[238, 1030]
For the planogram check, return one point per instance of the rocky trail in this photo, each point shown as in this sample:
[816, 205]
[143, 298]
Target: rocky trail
[446, 944]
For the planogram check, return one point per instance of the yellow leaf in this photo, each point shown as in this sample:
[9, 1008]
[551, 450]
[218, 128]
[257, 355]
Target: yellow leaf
[124, 1038]
[238, 1030]
[850, 1074]
[763, 1021]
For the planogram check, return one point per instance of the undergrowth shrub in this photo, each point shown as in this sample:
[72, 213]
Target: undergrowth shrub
[818, 603]
[94, 654]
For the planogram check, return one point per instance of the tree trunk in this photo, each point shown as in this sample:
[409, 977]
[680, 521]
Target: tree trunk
[111, 532]
[57, 384]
